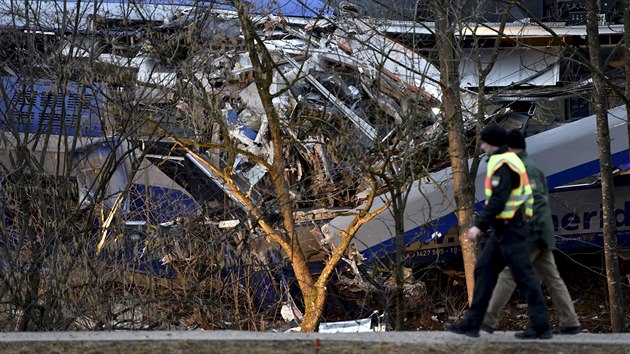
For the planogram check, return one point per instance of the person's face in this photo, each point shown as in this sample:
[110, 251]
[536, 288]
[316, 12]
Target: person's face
[487, 148]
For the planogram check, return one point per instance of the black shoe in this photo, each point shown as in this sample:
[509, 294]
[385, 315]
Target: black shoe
[461, 329]
[567, 330]
[531, 333]
[487, 328]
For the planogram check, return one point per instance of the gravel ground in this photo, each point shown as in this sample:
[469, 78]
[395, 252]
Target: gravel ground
[268, 342]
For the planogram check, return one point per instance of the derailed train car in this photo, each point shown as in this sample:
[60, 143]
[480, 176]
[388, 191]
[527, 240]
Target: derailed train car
[69, 131]
[568, 154]
[147, 185]
[139, 203]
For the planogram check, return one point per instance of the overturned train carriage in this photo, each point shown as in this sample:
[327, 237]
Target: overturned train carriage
[128, 199]
[139, 188]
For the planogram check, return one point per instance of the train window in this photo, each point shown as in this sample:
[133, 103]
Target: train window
[578, 107]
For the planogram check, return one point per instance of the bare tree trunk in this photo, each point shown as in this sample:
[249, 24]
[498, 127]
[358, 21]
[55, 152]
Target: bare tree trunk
[398, 205]
[314, 298]
[313, 291]
[462, 185]
[608, 196]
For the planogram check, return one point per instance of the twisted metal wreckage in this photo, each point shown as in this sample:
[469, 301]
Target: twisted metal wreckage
[340, 69]
[333, 69]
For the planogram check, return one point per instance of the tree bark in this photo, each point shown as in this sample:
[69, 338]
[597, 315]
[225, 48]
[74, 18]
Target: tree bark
[398, 206]
[615, 295]
[462, 185]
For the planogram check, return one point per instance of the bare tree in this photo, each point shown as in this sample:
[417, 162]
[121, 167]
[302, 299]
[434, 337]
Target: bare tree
[608, 195]
[462, 183]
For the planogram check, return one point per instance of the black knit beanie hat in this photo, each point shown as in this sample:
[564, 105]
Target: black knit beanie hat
[494, 135]
[516, 139]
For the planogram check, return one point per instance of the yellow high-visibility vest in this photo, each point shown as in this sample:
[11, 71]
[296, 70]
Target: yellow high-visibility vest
[521, 195]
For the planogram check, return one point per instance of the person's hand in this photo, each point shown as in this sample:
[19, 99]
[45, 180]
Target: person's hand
[473, 233]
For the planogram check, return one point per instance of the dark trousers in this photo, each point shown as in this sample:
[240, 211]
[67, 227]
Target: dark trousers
[507, 246]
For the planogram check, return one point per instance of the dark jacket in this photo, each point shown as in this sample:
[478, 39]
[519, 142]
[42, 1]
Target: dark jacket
[508, 180]
[541, 224]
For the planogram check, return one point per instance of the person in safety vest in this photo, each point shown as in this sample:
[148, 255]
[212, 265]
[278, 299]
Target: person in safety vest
[509, 205]
[542, 242]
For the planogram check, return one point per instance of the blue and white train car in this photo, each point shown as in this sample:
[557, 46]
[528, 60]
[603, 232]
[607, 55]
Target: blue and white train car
[70, 131]
[568, 155]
